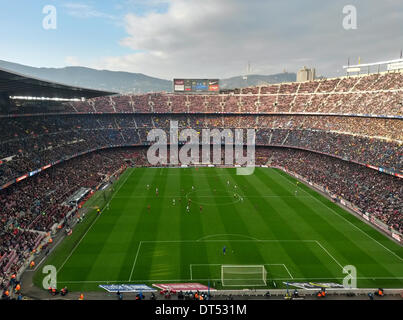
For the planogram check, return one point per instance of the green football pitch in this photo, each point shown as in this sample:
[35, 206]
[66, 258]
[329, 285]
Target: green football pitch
[265, 219]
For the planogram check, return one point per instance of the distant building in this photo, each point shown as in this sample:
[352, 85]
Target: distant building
[306, 74]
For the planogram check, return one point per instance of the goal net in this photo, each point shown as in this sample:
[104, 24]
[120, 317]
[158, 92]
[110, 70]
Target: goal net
[243, 275]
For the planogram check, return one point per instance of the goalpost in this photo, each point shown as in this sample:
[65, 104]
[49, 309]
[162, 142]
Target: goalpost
[243, 275]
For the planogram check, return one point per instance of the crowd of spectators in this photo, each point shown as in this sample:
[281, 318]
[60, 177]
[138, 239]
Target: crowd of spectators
[375, 94]
[29, 209]
[37, 203]
[29, 143]
[376, 193]
[355, 148]
[378, 94]
[15, 247]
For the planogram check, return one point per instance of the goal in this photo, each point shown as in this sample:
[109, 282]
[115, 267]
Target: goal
[243, 275]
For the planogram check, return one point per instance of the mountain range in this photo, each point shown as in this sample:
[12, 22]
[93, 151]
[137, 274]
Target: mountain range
[127, 82]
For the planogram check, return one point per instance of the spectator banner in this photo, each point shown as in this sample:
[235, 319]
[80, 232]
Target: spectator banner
[372, 167]
[46, 167]
[127, 288]
[32, 173]
[183, 287]
[396, 237]
[395, 66]
[22, 178]
[381, 225]
[353, 70]
[7, 185]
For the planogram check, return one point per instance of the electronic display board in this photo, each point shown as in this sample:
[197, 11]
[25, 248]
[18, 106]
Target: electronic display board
[196, 85]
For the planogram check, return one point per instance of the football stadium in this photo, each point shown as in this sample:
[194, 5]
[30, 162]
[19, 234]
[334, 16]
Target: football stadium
[288, 190]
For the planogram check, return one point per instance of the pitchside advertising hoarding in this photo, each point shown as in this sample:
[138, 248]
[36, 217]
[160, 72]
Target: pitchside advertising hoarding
[176, 287]
[197, 85]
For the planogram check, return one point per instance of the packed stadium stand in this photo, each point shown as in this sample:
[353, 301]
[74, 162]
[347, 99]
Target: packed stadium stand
[343, 134]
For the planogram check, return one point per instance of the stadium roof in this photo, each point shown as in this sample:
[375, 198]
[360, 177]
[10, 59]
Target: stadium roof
[15, 84]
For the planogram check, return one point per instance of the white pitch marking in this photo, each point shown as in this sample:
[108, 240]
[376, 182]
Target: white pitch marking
[337, 214]
[96, 219]
[135, 260]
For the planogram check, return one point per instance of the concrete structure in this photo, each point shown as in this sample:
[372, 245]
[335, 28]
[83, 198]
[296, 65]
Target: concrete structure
[306, 74]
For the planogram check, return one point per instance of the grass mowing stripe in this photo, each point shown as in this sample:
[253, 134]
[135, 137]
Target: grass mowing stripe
[128, 223]
[58, 256]
[356, 253]
[158, 213]
[190, 279]
[241, 225]
[351, 223]
[195, 218]
[193, 223]
[171, 240]
[287, 226]
[321, 226]
[141, 207]
[87, 259]
[93, 223]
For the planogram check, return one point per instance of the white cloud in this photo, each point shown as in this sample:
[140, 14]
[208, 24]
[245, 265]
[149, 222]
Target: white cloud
[84, 11]
[213, 38]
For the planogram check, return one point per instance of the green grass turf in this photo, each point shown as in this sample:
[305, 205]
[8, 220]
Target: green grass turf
[298, 237]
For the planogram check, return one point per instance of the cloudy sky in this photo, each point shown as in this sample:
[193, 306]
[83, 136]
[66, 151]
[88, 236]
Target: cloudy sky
[200, 38]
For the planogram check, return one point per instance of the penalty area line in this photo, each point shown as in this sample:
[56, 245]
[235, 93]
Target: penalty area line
[135, 260]
[338, 214]
[323, 248]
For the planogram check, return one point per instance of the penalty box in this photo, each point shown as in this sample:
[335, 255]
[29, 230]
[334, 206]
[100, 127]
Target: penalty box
[245, 275]
[193, 260]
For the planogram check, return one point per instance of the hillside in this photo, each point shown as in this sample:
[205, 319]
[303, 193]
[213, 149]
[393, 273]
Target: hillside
[127, 82]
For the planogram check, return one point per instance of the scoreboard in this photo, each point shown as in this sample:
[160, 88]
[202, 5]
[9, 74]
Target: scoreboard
[197, 85]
